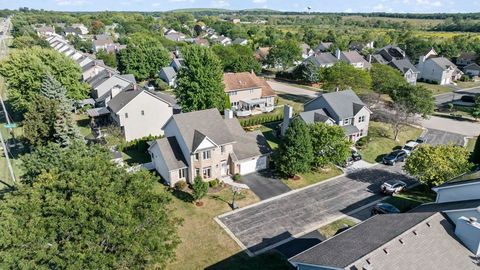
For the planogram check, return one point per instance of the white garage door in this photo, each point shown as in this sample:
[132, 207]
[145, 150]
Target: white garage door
[253, 165]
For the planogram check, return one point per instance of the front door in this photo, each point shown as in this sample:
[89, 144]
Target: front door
[225, 168]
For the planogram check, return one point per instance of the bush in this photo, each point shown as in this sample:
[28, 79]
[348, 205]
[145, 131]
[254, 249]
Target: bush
[363, 141]
[160, 84]
[140, 144]
[214, 183]
[181, 185]
[236, 177]
[200, 188]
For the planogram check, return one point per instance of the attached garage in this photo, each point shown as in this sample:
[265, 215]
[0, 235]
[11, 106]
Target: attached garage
[253, 165]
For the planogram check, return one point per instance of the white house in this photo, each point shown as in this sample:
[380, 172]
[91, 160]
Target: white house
[140, 113]
[168, 75]
[353, 58]
[436, 69]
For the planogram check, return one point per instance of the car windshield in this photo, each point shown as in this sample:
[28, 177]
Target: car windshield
[409, 148]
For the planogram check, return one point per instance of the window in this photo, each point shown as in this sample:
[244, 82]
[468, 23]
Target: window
[143, 112]
[197, 156]
[207, 155]
[361, 119]
[222, 149]
[361, 132]
[197, 171]
[346, 121]
[207, 173]
[126, 115]
[181, 173]
[233, 93]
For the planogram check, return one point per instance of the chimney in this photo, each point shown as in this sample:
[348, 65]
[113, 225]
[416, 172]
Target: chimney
[115, 91]
[337, 53]
[287, 116]
[468, 231]
[228, 114]
[370, 58]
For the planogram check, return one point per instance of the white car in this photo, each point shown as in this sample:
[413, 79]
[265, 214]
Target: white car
[409, 147]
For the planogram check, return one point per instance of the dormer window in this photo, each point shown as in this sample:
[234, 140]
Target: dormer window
[143, 112]
[126, 115]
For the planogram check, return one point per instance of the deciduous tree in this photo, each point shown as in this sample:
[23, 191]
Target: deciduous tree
[284, 53]
[330, 146]
[344, 76]
[385, 79]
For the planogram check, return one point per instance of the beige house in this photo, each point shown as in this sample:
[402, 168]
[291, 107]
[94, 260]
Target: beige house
[203, 143]
[248, 93]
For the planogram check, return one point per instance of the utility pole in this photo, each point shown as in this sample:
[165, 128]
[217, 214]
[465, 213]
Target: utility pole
[6, 152]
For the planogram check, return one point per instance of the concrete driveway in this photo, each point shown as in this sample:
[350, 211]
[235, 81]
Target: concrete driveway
[438, 137]
[463, 127]
[264, 184]
[292, 90]
[275, 221]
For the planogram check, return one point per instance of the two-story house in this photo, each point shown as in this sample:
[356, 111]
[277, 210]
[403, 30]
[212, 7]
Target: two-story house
[140, 113]
[353, 58]
[436, 69]
[203, 143]
[248, 93]
[321, 60]
[397, 58]
[342, 108]
[103, 83]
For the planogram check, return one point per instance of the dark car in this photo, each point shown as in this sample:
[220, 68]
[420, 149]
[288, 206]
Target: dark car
[394, 157]
[384, 208]
[393, 186]
[421, 140]
[467, 98]
[355, 155]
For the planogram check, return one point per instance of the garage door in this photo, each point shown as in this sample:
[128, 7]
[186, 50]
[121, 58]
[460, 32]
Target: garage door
[253, 165]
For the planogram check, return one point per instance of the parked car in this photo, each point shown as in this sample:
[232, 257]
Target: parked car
[355, 155]
[384, 208]
[421, 140]
[394, 157]
[409, 147]
[467, 98]
[393, 186]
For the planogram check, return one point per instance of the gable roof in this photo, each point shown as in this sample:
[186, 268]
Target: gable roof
[403, 65]
[314, 116]
[246, 80]
[354, 57]
[130, 93]
[467, 178]
[347, 247]
[322, 59]
[473, 66]
[169, 72]
[171, 153]
[468, 56]
[442, 62]
[323, 46]
[209, 123]
[239, 41]
[341, 104]
[247, 144]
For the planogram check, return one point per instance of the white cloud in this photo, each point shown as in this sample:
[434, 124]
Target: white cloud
[379, 7]
[71, 2]
[348, 10]
[220, 3]
[259, 1]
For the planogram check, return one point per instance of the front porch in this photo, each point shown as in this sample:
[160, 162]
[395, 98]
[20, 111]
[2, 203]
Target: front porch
[253, 107]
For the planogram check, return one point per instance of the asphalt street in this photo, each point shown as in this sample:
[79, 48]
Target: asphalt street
[439, 137]
[269, 223]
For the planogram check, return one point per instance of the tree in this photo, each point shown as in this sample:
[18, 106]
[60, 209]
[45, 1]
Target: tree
[475, 156]
[237, 58]
[344, 76]
[433, 165]
[284, 53]
[476, 109]
[97, 27]
[385, 78]
[24, 71]
[80, 44]
[295, 152]
[78, 210]
[143, 57]
[307, 72]
[329, 144]
[199, 82]
[200, 188]
[38, 125]
[109, 58]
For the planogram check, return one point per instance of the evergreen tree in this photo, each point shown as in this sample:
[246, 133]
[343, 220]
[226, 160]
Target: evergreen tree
[199, 82]
[295, 152]
[200, 188]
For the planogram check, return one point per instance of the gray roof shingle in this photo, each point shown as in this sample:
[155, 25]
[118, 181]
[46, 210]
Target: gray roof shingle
[129, 93]
[403, 65]
[322, 59]
[171, 153]
[341, 104]
[248, 144]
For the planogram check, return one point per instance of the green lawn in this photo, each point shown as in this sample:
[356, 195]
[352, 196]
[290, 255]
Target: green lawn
[83, 124]
[382, 142]
[135, 156]
[293, 100]
[436, 89]
[205, 245]
[313, 177]
[269, 130]
[412, 198]
[332, 228]
[467, 84]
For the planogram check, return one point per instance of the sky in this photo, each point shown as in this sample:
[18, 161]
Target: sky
[401, 6]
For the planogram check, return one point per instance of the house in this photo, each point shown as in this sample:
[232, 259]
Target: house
[92, 68]
[323, 47]
[175, 36]
[139, 112]
[177, 63]
[102, 42]
[223, 40]
[45, 31]
[248, 93]
[436, 69]
[442, 235]
[395, 57]
[72, 31]
[104, 82]
[466, 58]
[353, 58]
[240, 41]
[168, 75]
[472, 70]
[235, 21]
[322, 60]
[203, 143]
[306, 50]
[83, 29]
[342, 108]
[262, 53]
[360, 46]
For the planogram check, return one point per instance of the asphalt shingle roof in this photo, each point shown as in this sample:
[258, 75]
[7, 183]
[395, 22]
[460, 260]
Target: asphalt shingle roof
[248, 144]
[322, 59]
[171, 153]
[403, 65]
[341, 104]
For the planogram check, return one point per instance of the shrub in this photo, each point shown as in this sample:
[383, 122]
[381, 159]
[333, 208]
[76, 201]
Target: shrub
[363, 141]
[200, 188]
[214, 183]
[236, 177]
[181, 185]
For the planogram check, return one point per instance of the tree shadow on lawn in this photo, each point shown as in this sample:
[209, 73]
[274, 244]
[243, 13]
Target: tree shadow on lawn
[295, 98]
[182, 195]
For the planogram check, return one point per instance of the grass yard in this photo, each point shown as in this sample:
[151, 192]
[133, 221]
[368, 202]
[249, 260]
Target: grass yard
[412, 198]
[332, 228]
[382, 142]
[293, 100]
[205, 245]
[436, 89]
[83, 124]
[135, 156]
[313, 177]
[468, 84]
[269, 131]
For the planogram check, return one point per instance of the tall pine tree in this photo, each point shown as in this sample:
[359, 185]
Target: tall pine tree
[200, 80]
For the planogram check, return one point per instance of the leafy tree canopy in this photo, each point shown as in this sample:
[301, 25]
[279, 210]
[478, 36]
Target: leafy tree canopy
[344, 76]
[237, 58]
[284, 53]
[385, 78]
[329, 144]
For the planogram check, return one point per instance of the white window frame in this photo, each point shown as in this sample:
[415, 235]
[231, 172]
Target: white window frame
[126, 115]
[182, 173]
[206, 155]
[204, 172]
